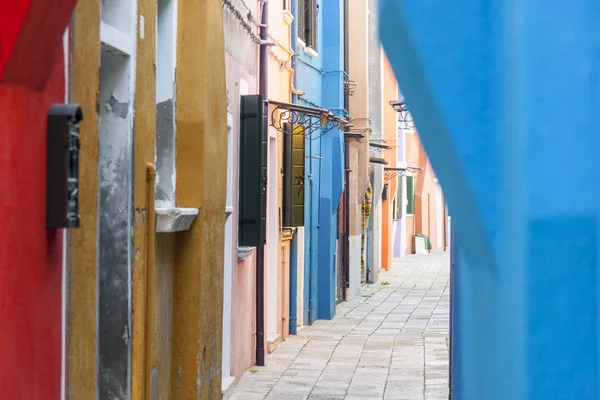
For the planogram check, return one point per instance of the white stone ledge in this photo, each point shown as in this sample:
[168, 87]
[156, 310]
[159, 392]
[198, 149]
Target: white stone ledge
[174, 219]
[245, 252]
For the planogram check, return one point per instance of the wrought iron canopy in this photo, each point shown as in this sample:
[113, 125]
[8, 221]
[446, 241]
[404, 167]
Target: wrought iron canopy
[314, 121]
[390, 172]
[380, 146]
[404, 115]
[357, 137]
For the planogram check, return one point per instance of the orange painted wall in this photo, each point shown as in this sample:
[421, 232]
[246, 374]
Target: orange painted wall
[425, 220]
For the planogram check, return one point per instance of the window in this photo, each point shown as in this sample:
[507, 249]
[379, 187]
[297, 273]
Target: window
[307, 22]
[286, 5]
[399, 197]
[410, 195]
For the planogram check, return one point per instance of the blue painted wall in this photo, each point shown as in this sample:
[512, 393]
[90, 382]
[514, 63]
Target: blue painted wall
[489, 84]
[321, 78]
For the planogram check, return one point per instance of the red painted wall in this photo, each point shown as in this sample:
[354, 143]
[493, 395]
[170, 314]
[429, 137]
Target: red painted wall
[30, 255]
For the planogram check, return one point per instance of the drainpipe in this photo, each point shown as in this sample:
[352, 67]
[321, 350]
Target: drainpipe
[294, 45]
[150, 272]
[347, 145]
[260, 250]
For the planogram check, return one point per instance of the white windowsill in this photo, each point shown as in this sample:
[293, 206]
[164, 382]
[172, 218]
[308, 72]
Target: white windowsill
[116, 39]
[174, 219]
[311, 52]
[245, 252]
[300, 43]
[288, 17]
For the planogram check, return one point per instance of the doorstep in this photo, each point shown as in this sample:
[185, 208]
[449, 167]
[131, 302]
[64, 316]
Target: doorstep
[226, 385]
[273, 342]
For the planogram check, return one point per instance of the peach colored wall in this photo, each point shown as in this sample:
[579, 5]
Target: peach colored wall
[359, 110]
[425, 220]
[390, 132]
[279, 89]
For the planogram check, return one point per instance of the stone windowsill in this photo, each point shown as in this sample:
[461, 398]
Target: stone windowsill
[245, 252]
[174, 219]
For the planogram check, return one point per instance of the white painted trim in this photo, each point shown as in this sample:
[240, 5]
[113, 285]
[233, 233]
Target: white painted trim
[116, 38]
[175, 219]
[65, 258]
[300, 42]
[245, 252]
[288, 17]
[226, 384]
[311, 52]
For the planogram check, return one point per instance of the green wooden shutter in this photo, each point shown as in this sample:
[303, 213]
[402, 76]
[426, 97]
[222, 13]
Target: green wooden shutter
[298, 162]
[399, 198]
[252, 172]
[410, 193]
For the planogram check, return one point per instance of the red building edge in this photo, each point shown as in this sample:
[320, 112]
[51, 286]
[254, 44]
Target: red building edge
[33, 268]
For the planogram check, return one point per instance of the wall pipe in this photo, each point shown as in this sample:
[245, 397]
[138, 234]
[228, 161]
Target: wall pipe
[294, 285]
[150, 243]
[260, 250]
[347, 148]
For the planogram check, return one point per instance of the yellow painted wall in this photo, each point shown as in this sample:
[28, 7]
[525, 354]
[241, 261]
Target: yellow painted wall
[82, 294]
[201, 183]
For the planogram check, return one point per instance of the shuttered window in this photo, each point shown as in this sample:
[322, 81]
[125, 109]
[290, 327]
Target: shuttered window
[307, 22]
[410, 195]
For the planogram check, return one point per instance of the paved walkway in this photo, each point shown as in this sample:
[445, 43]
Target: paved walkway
[390, 343]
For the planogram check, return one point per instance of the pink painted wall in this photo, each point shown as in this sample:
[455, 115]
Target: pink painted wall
[243, 316]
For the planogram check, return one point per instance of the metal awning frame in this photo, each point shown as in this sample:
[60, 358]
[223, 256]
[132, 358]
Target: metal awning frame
[314, 121]
[391, 172]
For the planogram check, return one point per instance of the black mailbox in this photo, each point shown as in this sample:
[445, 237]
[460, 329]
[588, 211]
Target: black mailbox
[62, 180]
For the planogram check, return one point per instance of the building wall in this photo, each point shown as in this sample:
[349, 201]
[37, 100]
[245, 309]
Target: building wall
[279, 89]
[390, 131]
[359, 151]
[84, 241]
[242, 68]
[320, 76]
[425, 219]
[34, 75]
[201, 183]
[375, 58]
[309, 80]
[32, 259]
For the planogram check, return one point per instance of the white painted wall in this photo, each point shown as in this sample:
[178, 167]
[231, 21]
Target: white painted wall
[166, 47]
[354, 244]
[300, 281]
[228, 262]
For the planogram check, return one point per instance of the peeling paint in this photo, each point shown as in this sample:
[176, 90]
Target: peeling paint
[115, 217]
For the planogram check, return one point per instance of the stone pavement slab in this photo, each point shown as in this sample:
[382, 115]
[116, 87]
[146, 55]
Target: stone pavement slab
[389, 343]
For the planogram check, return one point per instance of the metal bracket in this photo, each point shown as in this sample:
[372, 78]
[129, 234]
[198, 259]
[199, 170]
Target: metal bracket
[390, 172]
[314, 121]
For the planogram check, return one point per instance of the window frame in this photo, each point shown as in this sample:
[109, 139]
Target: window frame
[307, 23]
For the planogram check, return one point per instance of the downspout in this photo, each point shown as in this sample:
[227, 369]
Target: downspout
[294, 46]
[294, 244]
[260, 250]
[150, 241]
[347, 147]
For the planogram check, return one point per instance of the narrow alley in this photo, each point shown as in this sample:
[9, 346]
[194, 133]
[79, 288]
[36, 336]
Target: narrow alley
[389, 343]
